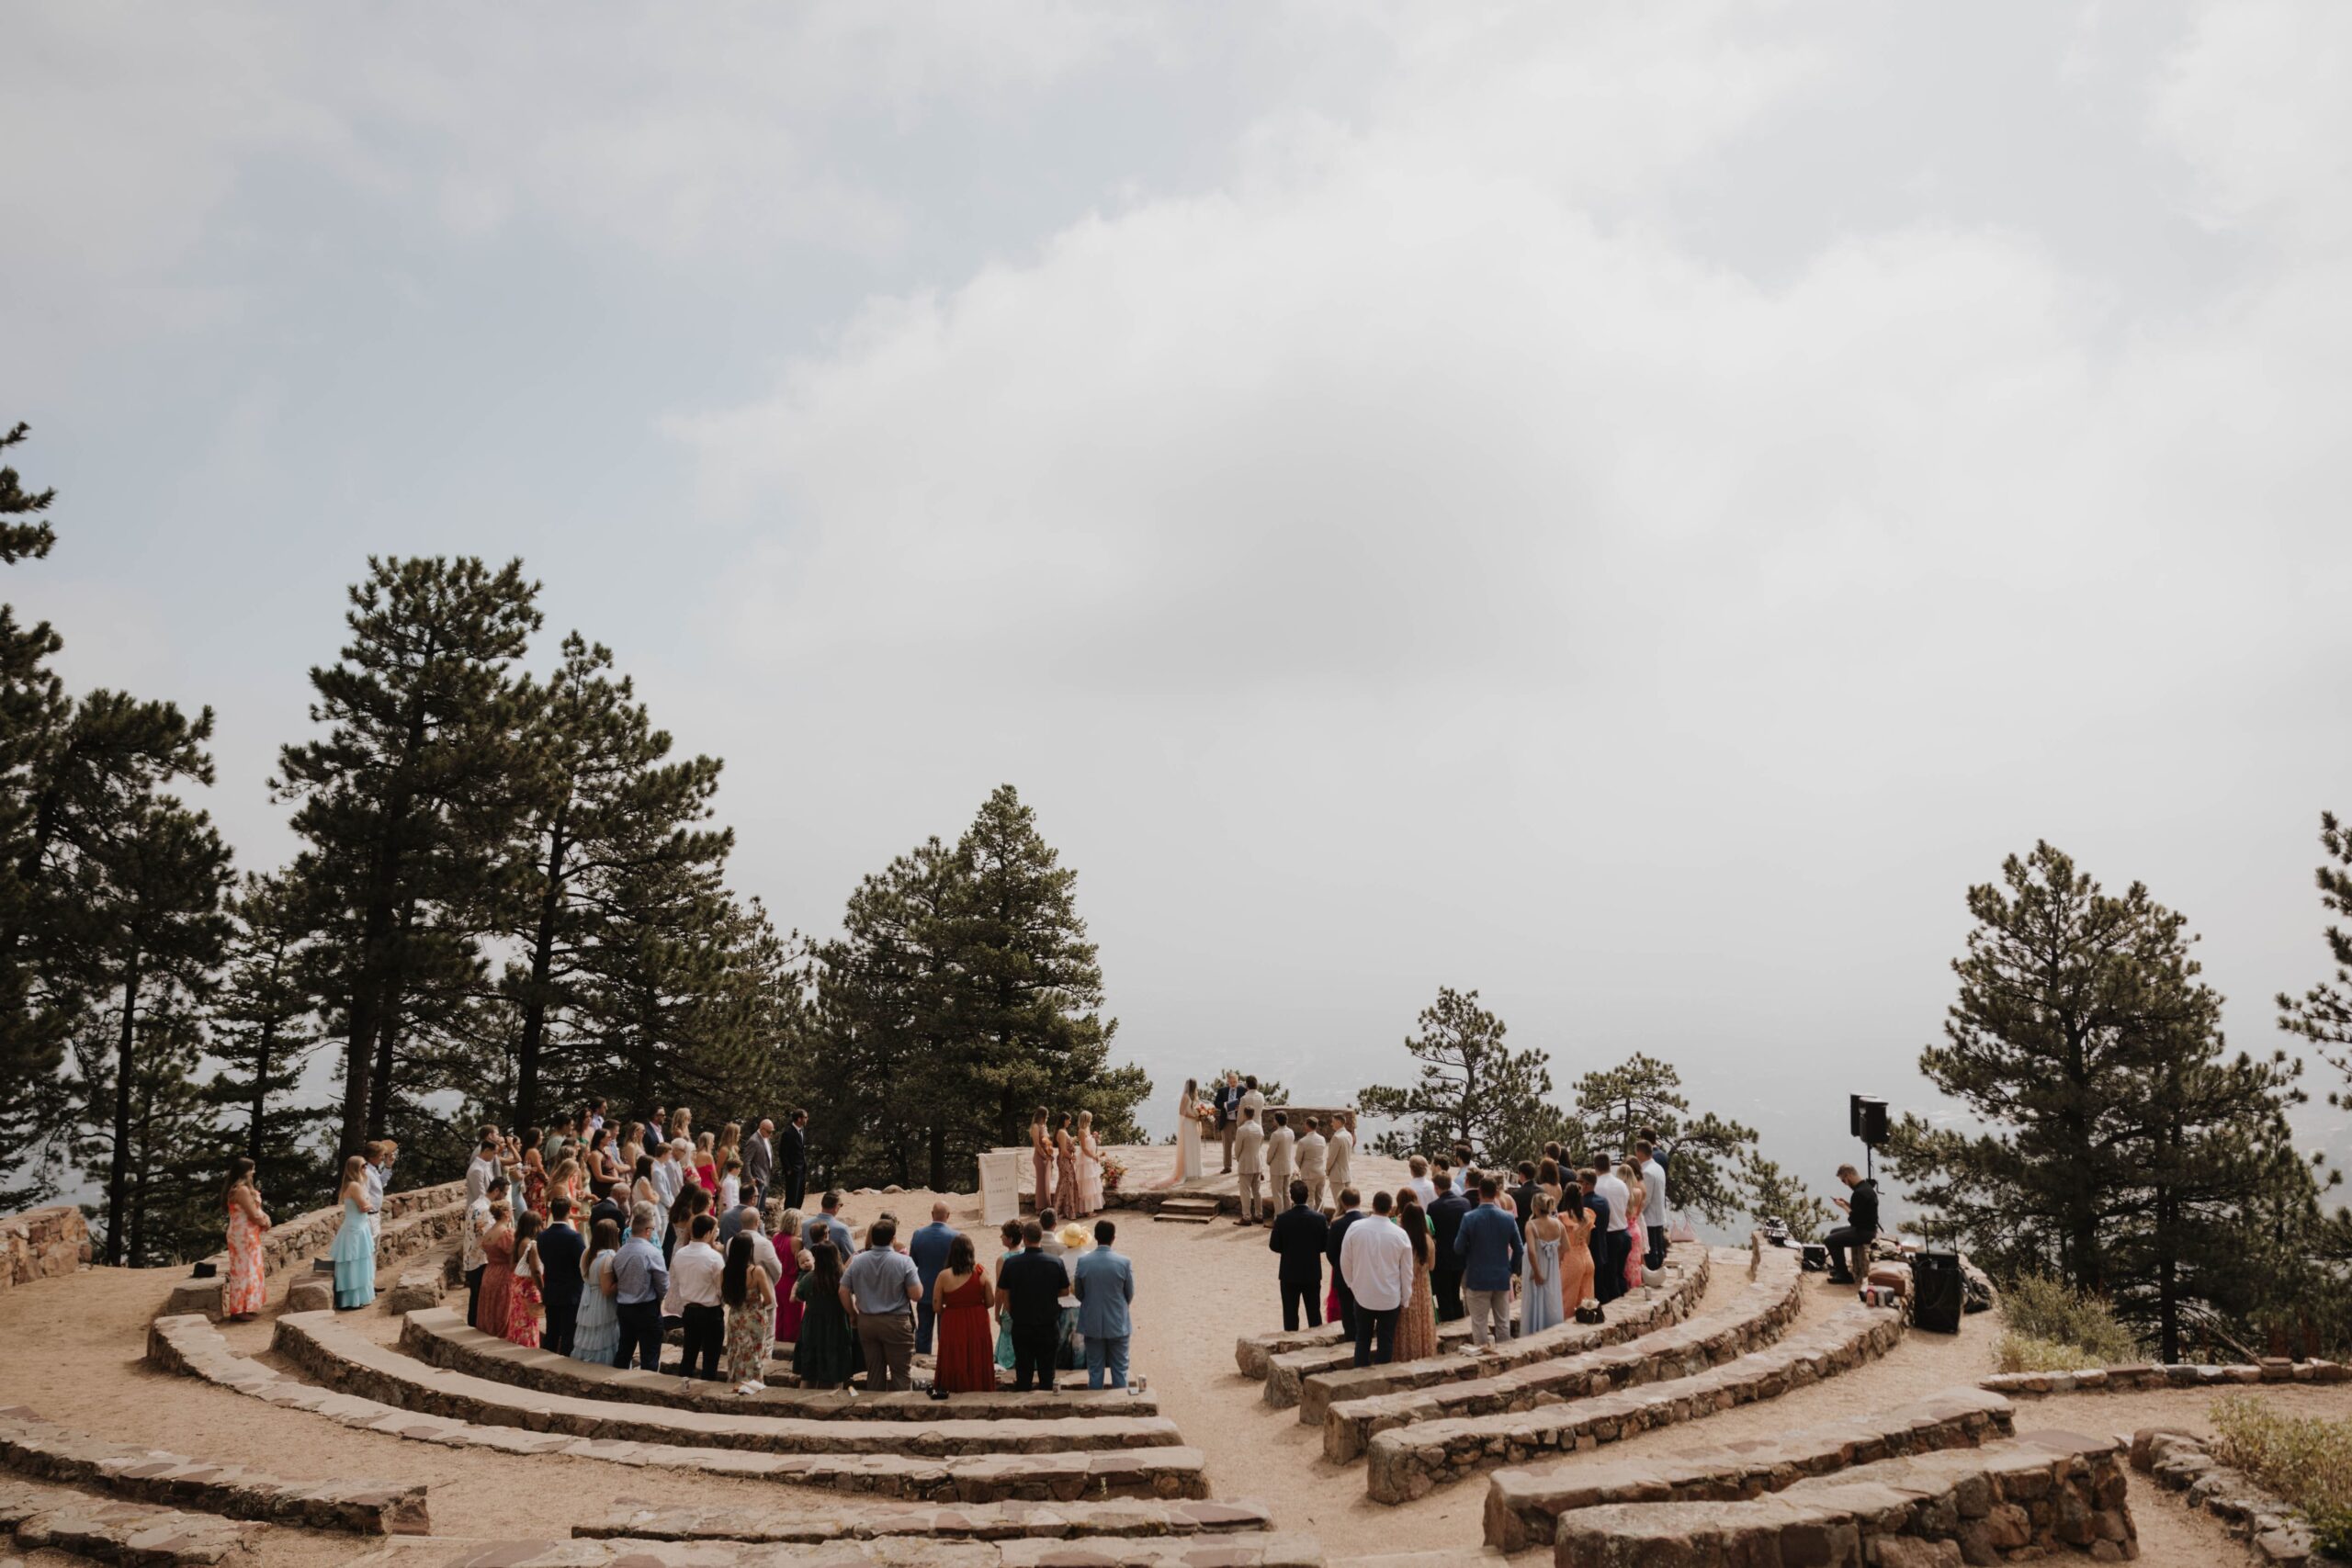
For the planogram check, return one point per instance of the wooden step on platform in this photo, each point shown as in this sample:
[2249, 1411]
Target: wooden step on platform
[1187, 1210]
[976, 1521]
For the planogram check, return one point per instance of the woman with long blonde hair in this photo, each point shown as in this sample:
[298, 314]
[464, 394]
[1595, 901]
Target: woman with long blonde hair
[355, 1245]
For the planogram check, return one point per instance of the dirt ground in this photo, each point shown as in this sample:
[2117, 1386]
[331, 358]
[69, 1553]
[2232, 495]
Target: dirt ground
[79, 1346]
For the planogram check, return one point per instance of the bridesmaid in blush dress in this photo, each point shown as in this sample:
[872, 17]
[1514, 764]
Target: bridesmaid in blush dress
[1065, 1199]
[1041, 1154]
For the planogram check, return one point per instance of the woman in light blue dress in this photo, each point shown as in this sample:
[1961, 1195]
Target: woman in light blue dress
[1539, 1300]
[355, 1244]
[596, 1333]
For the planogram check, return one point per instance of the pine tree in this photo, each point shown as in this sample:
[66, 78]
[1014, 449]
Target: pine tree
[2323, 1015]
[407, 801]
[265, 1025]
[604, 805]
[165, 1142]
[1768, 1192]
[152, 893]
[1474, 1088]
[1614, 1105]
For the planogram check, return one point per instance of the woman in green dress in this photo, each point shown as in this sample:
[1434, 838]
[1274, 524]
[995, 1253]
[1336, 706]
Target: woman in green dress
[825, 1354]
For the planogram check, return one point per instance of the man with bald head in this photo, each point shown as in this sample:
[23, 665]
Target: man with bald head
[928, 1248]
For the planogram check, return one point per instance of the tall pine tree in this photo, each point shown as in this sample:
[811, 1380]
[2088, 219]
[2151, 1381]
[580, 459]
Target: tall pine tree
[409, 799]
[1704, 1174]
[264, 1026]
[1473, 1089]
[2323, 1015]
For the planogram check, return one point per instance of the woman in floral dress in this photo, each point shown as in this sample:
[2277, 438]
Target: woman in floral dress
[750, 1296]
[247, 1289]
[523, 1296]
[1416, 1325]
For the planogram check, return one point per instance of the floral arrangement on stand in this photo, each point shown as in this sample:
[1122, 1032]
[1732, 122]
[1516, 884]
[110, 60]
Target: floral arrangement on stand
[1114, 1167]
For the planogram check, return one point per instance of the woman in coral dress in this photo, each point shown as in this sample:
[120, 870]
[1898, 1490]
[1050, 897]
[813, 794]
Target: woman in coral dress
[1416, 1325]
[788, 1252]
[248, 1284]
[1090, 1166]
[1065, 1168]
[959, 1296]
[1633, 1181]
[498, 1271]
[1576, 1252]
[523, 1296]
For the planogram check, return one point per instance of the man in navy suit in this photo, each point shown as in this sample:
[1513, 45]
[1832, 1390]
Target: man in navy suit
[929, 1247]
[1106, 1283]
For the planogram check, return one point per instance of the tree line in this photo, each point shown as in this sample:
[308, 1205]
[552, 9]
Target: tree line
[510, 897]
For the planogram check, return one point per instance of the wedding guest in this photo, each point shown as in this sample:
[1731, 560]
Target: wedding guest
[1543, 1294]
[826, 1226]
[597, 1330]
[354, 1243]
[1299, 1237]
[825, 1354]
[880, 1288]
[477, 1224]
[1350, 1211]
[759, 1161]
[1597, 1243]
[1611, 1186]
[1652, 1174]
[1417, 1323]
[928, 1248]
[792, 1159]
[535, 1173]
[1376, 1260]
[246, 1288]
[792, 1262]
[750, 1297]
[640, 1279]
[959, 1300]
[523, 1295]
[1105, 1284]
[705, 1165]
[1446, 1275]
[1419, 1180]
[561, 1251]
[695, 1301]
[1029, 1286]
[498, 1270]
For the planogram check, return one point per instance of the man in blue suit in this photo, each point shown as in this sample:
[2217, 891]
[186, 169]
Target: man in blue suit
[1106, 1283]
[928, 1247]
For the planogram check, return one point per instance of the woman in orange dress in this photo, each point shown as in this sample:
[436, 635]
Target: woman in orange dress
[966, 1362]
[1576, 1252]
[247, 1288]
[1416, 1325]
[498, 1272]
[523, 1296]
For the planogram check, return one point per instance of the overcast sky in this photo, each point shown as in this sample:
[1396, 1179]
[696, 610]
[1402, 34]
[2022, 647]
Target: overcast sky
[1631, 509]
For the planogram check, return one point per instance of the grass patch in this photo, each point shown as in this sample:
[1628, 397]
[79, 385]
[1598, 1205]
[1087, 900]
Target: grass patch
[2054, 1330]
[2304, 1460]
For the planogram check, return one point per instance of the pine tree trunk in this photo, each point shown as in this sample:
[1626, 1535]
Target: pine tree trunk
[260, 1107]
[938, 1157]
[118, 1174]
[534, 1002]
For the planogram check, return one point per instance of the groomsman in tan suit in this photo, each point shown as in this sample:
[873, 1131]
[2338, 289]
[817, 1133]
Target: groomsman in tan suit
[1249, 1164]
[1343, 1149]
[1309, 1156]
[1278, 1161]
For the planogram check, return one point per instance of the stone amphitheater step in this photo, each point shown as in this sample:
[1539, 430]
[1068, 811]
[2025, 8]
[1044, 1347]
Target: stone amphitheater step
[980, 1521]
[188, 1344]
[1408, 1461]
[49, 1452]
[332, 1353]
[2030, 1497]
[439, 1337]
[1522, 1505]
[96, 1529]
[1655, 1307]
[1187, 1211]
[1108, 1552]
[1759, 1315]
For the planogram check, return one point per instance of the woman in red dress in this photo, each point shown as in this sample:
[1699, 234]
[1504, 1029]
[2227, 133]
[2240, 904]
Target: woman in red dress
[966, 1362]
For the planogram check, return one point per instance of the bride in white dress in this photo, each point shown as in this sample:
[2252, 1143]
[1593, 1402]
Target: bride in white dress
[1188, 1132]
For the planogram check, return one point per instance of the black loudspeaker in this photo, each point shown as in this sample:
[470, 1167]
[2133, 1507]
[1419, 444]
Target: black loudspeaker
[1866, 1117]
[1937, 1291]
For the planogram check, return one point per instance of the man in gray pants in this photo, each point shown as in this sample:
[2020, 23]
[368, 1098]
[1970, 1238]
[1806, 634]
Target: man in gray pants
[1487, 1243]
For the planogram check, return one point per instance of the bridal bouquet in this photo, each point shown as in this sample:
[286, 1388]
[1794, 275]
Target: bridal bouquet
[1114, 1167]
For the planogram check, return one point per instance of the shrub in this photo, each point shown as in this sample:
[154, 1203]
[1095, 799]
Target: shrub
[2304, 1460]
[2066, 1320]
[2025, 1353]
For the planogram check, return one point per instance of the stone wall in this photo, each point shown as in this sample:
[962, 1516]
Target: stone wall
[2162, 1374]
[2180, 1463]
[409, 1222]
[41, 1244]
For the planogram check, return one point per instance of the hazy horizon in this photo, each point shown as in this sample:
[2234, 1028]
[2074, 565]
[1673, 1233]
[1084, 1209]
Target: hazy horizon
[1629, 511]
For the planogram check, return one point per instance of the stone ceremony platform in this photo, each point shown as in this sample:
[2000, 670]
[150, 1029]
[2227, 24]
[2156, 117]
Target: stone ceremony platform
[440, 1338]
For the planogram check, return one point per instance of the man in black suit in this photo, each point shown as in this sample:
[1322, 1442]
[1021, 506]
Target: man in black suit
[1029, 1288]
[1445, 1270]
[1350, 1211]
[1523, 1195]
[792, 1158]
[1300, 1235]
[560, 1248]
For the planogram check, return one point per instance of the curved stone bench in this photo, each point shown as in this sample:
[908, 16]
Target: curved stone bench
[980, 1521]
[2032, 1497]
[188, 1344]
[439, 1337]
[1408, 1461]
[102, 1530]
[1629, 1317]
[1523, 1506]
[48, 1451]
[2147, 1376]
[1766, 1306]
[333, 1354]
[409, 1220]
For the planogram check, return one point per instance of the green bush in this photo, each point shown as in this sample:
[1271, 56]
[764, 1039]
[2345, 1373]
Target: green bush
[2024, 1353]
[2068, 1323]
[2304, 1460]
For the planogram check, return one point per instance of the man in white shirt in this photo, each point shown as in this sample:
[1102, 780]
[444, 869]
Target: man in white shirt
[1653, 1205]
[1279, 1143]
[1309, 1156]
[482, 1167]
[1420, 1181]
[1342, 1150]
[1610, 1185]
[694, 1300]
[1376, 1260]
